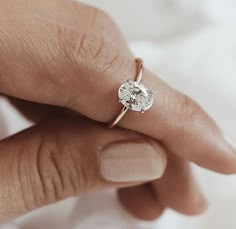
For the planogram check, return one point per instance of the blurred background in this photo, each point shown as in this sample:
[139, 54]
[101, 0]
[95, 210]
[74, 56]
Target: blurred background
[191, 45]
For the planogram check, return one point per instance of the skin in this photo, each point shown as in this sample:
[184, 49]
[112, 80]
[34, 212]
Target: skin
[61, 64]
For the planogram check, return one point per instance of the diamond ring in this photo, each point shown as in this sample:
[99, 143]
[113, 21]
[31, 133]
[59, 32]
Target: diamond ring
[134, 95]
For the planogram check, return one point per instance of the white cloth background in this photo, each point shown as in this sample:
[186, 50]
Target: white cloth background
[192, 45]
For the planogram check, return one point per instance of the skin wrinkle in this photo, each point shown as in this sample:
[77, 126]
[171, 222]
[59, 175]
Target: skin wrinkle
[73, 172]
[39, 168]
[48, 172]
[56, 196]
[33, 179]
[57, 179]
[100, 48]
[20, 172]
[111, 63]
[80, 177]
[80, 45]
[73, 176]
[64, 54]
[26, 160]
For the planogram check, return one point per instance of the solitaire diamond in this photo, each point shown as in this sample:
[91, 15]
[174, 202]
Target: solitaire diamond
[135, 96]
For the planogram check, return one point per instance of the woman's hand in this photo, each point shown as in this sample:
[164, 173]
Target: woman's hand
[70, 55]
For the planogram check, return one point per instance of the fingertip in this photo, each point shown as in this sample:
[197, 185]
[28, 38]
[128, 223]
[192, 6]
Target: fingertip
[194, 205]
[220, 156]
[178, 190]
[141, 202]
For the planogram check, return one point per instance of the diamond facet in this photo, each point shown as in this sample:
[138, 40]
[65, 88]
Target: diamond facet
[135, 96]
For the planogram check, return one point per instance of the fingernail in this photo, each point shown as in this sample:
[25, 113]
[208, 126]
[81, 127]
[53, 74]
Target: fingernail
[131, 162]
[230, 142]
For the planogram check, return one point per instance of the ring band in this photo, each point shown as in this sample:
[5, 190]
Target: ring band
[134, 95]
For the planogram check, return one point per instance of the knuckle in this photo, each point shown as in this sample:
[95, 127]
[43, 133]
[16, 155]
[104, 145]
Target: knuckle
[44, 183]
[60, 172]
[87, 50]
[97, 53]
[88, 46]
[50, 173]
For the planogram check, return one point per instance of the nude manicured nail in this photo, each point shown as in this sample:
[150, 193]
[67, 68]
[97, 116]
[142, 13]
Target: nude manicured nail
[131, 162]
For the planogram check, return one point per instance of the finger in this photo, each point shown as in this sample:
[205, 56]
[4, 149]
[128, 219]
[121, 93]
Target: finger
[177, 189]
[60, 159]
[86, 72]
[141, 201]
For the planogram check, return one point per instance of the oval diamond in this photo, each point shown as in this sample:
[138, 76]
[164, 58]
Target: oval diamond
[135, 96]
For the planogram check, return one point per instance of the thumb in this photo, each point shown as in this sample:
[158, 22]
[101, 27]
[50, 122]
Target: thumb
[50, 162]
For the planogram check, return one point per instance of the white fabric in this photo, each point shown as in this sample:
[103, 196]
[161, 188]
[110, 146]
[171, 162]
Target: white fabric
[192, 45]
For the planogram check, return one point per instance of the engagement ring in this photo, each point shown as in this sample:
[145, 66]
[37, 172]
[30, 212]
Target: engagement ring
[134, 95]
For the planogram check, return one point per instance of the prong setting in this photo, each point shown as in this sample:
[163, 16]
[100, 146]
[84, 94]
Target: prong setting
[135, 96]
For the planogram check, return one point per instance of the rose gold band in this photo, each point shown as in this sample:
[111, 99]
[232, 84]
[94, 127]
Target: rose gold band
[139, 75]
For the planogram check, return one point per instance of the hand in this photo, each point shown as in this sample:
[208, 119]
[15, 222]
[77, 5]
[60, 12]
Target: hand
[70, 56]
